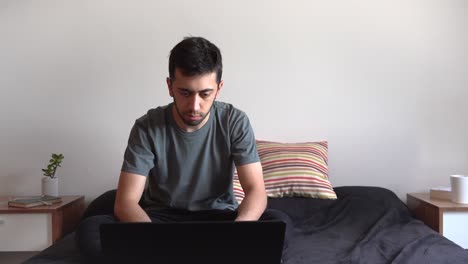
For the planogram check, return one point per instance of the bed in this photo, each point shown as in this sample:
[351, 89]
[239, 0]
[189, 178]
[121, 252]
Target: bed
[349, 224]
[364, 225]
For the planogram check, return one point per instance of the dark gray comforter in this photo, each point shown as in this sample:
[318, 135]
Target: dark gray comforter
[364, 225]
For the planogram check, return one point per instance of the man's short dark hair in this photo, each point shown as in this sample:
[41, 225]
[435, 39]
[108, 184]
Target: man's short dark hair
[195, 56]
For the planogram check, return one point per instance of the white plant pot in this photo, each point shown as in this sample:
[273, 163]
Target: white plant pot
[50, 186]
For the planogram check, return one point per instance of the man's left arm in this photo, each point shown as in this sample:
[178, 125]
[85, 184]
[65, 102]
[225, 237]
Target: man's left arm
[255, 200]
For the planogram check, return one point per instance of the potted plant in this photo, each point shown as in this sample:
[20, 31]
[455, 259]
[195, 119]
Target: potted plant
[50, 180]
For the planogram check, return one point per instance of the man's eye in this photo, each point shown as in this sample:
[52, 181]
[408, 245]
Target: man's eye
[185, 93]
[204, 95]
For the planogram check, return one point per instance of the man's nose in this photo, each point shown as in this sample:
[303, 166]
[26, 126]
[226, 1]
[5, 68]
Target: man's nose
[195, 103]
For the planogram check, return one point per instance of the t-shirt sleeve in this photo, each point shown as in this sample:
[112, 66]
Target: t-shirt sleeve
[139, 157]
[243, 147]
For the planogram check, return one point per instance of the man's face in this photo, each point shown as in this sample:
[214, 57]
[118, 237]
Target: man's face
[193, 98]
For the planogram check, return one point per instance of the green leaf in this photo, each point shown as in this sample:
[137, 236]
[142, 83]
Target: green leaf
[54, 162]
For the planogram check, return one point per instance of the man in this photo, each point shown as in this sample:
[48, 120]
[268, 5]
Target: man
[180, 158]
[195, 166]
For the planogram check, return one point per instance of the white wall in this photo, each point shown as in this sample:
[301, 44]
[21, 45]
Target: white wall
[385, 82]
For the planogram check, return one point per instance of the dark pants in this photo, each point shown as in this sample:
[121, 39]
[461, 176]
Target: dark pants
[88, 236]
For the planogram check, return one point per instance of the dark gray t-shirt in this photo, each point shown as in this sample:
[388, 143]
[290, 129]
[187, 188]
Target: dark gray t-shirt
[190, 170]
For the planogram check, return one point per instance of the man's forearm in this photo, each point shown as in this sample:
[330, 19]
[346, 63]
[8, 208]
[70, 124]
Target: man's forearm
[252, 207]
[130, 212]
[129, 191]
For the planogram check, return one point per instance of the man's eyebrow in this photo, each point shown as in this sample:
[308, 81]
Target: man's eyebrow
[190, 91]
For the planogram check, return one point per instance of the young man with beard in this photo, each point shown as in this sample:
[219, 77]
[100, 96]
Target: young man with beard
[180, 158]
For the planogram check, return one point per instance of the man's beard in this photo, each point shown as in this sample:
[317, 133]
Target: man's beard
[192, 122]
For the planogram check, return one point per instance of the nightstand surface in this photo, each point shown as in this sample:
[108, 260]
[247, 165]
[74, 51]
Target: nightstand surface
[35, 228]
[440, 203]
[444, 216]
[66, 201]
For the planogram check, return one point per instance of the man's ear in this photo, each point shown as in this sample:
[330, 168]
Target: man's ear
[220, 86]
[169, 86]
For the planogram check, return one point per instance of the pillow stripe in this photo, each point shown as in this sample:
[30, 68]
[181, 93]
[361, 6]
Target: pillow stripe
[291, 178]
[303, 170]
[301, 188]
[294, 183]
[289, 162]
[297, 185]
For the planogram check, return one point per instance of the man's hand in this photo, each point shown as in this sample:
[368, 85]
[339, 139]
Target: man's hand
[255, 199]
[129, 191]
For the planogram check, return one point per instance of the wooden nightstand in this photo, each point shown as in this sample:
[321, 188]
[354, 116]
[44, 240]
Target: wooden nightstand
[444, 216]
[34, 229]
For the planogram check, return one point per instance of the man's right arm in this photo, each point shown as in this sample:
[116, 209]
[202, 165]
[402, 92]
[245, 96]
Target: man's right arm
[129, 192]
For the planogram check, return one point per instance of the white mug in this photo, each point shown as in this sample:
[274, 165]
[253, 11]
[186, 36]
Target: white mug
[459, 185]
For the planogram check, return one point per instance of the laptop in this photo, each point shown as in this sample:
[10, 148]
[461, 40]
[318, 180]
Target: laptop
[221, 242]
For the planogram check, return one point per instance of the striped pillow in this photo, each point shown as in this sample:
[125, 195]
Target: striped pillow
[293, 169]
[237, 188]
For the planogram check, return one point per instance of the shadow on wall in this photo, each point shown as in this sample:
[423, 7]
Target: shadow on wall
[22, 182]
[88, 150]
